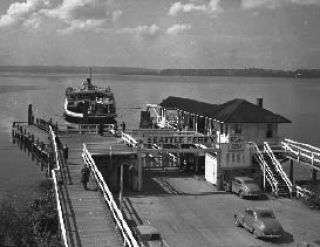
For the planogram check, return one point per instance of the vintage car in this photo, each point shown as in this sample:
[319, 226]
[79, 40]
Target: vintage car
[259, 221]
[245, 186]
[148, 235]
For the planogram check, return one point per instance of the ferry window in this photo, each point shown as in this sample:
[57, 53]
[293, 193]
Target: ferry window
[226, 130]
[237, 129]
[269, 133]
[228, 157]
[232, 157]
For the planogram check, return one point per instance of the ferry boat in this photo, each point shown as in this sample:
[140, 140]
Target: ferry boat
[90, 104]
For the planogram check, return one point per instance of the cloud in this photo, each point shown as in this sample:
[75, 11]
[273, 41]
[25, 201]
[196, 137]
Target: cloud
[178, 29]
[253, 4]
[20, 11]
[144, 31]
[116, 15]
[194, 5]
[86, 25]
[70, 10]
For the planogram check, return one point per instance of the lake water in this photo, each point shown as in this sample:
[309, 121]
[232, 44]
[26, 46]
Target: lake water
[295, 99]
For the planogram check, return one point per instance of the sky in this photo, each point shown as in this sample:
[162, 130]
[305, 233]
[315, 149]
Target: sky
[271, 34]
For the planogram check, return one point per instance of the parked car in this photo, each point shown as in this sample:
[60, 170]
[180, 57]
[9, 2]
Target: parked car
[148, 235]
[259, 221]
[245, 186]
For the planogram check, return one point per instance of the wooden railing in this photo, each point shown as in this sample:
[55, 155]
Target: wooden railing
[122, 225]
[57, 170]
[265, 168]
[128, 139]
[302, 192]
[85, 128]
[278, 166]
[302, 152]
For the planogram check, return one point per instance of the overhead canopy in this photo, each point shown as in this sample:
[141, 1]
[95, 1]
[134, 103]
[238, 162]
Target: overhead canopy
[234, 111]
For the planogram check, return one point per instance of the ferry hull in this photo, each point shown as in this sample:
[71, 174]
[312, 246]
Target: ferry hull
[90, 119]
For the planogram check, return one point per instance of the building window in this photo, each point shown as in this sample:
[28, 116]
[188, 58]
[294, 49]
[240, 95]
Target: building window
[269, 133]
[237, 129]
[238, 158]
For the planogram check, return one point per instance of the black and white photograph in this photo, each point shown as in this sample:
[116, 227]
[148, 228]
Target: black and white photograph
[159, 123]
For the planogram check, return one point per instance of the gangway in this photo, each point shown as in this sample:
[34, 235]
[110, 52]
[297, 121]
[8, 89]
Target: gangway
[302, 153]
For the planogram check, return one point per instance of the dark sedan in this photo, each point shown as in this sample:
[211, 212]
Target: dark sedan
[245, 187]
[259, 221]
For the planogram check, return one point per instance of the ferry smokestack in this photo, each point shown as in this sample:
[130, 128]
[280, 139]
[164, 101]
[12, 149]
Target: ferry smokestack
[260, 102]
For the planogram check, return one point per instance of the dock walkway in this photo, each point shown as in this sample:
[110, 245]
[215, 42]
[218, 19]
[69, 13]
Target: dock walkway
[89, 222]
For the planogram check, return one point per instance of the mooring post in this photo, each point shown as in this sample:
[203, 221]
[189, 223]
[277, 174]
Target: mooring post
[30, 115]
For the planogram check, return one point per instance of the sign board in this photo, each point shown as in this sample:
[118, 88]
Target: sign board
[236, 143]
[174, 139]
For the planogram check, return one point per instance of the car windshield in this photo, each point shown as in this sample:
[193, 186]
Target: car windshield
[266, 215]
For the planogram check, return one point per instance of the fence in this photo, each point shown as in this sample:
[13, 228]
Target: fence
[55, 171]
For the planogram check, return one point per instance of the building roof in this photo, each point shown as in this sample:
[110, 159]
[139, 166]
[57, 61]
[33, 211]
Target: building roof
[234, 111]
[189, 105]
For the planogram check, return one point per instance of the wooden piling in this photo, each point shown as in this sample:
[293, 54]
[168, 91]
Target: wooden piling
[30, 115]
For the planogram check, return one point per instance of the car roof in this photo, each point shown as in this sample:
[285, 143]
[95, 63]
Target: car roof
[147, 229]
[262, 209]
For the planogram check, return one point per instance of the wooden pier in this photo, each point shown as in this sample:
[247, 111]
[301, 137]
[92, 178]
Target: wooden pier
[86, 217]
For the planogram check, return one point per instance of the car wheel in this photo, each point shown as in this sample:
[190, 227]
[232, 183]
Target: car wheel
[241, 194]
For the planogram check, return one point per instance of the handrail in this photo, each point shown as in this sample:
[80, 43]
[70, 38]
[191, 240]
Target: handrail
[84, 127]
[305, 153]
[128, 139]
[302, 144]
[56, 187]
[303, 192]
[263, 164]
[116, 213]
[278, 166]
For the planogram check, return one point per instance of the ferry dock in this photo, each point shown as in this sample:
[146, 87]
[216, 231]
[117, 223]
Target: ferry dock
[172, 177]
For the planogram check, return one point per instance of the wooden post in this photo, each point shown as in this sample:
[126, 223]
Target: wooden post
[30, 114]
[291, 171]
[264, 176]
[196, 123]
[139, 168]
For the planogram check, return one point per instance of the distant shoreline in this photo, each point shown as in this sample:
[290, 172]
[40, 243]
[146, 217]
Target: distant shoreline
[250, 72]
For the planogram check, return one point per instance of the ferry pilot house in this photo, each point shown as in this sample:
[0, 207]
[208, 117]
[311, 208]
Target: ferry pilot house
[235, 124]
